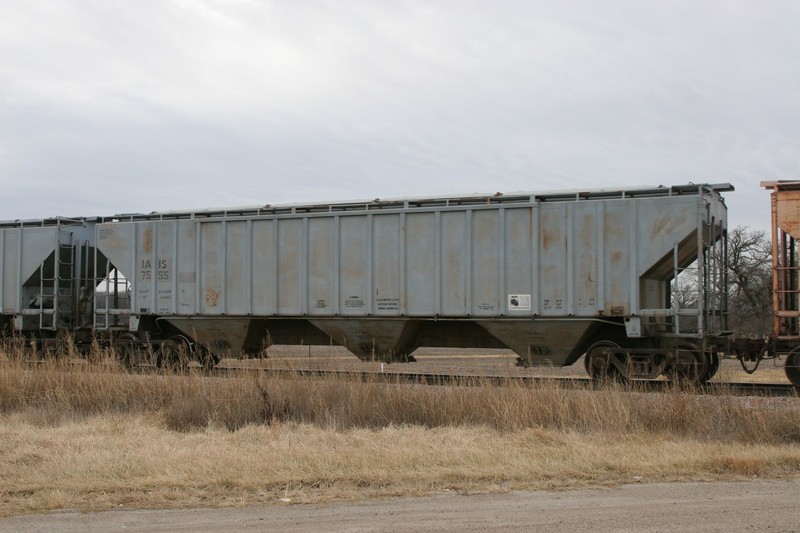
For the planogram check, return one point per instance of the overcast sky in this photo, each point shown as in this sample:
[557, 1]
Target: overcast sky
[111, 106]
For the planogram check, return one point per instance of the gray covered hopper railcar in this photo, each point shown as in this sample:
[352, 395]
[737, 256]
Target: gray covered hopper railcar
[549, 275]
[46, 277]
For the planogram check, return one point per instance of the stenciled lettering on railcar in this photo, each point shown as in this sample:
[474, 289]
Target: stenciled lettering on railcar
[164, 304]
[354, 301]
[161, 272]
[388, 304]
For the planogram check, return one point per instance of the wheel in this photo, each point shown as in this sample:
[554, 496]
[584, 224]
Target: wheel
[206, 359]
[713, 366]
[598, 364]
[175, 353]
[691, 365]
[792, 367]
[126, 349]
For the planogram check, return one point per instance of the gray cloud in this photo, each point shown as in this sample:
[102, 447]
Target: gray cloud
[111, 106]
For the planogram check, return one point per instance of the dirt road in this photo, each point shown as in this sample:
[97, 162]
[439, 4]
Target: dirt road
[684, 507]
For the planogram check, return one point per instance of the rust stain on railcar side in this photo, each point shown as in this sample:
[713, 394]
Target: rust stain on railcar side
[617, 257]
[547, 237]
[147, 240]
[586, 240]
[212, 297]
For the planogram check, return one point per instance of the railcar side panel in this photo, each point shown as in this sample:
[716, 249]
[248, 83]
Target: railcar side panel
[518, 254]
[421, 242]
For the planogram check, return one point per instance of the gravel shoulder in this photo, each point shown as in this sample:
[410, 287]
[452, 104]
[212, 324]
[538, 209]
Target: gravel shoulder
[758, 505]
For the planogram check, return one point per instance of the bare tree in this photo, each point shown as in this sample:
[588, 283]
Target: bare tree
[749, 284]
[749, 281]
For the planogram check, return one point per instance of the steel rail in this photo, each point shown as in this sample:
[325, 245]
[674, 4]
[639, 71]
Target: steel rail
[714, 388]
[473, 380]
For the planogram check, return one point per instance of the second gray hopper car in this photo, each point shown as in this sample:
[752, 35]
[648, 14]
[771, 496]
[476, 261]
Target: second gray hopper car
[46, 276]
[549, 275]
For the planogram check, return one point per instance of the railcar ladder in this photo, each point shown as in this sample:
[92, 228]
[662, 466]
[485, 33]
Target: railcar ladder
[87, 281]
[787, 289]
[688, 309]
[113, 311]
[715, 277]
[53, 288]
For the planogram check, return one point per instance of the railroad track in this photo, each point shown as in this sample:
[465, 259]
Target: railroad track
[434, 379]
[733, 388]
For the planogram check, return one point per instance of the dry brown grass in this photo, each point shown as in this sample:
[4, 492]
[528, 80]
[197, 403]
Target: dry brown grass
[107, 461]
[95, 437]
